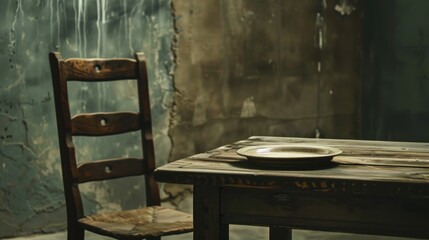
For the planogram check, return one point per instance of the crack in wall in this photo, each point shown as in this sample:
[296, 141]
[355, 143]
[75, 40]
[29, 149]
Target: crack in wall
[28, 152]
[176, 194]
[177, 92]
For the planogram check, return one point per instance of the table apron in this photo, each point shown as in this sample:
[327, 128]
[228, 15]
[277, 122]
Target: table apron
[365, 214]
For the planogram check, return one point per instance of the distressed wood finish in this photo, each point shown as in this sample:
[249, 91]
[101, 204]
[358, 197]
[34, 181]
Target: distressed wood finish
[207, 214]
[150, 222]
[110, 169]
[373, 187]
[78, 69]
[102, 124]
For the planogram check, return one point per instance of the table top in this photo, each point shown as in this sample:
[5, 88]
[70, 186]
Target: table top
[363, 167]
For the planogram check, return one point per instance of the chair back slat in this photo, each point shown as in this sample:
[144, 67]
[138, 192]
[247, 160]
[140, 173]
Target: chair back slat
[78, 69]
[99, 124]
[102, 124]
[110, 169]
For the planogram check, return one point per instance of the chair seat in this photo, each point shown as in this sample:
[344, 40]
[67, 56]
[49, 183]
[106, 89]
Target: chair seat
[139, 223]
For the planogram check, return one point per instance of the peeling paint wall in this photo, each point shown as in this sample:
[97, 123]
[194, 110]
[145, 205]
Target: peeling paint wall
[31, 193]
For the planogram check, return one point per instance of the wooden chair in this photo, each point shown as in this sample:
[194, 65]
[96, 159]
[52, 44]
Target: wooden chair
[150, 222]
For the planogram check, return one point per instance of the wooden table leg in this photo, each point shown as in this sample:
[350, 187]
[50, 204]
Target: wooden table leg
[280, 233]
[207, 224]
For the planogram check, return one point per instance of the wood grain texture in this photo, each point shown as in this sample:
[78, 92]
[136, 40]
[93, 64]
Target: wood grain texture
[373, 187]
[207, 214]
[354, 213]
[102, 124]
[78, 69]
[139, 223]
[110, 169]
[362, 165]
[151, 221]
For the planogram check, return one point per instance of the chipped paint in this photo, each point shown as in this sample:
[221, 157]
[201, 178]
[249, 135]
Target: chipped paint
[320, 36]
[324, 4]
[345, 7]
[248, 109]
[29, 156]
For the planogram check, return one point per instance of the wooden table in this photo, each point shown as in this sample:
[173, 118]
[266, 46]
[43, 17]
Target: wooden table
[373, 187]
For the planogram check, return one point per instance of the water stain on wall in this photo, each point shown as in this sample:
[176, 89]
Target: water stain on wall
[245, 67]
[30, 178]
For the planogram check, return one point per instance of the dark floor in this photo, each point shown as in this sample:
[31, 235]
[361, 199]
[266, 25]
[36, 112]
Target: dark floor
[237, 233]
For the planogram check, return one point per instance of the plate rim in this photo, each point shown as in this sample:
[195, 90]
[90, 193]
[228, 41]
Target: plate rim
[333, 151]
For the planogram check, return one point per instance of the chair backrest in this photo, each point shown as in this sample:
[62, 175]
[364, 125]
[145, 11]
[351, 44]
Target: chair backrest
[102, 124]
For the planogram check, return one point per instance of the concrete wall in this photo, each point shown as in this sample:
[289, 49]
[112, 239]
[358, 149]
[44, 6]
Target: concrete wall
[250, 67]
[263, 67]
[31, 193]
[396, 86]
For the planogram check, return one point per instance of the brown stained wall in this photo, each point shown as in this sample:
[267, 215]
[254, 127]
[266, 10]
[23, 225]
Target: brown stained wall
[250, 67]
[341, 72]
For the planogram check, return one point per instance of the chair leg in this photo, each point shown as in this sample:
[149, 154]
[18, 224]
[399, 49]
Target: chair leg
[78, 235]
[280, 233]
[74, 232]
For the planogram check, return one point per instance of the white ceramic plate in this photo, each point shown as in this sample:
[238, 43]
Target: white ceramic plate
[288, 155]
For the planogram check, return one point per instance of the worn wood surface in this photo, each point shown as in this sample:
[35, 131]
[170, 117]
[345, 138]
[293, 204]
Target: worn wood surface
[373, 187]
[139, 223]
[80, 69]
[149, 222]
[110, 169]
[102, 124]
[354, 213]
[362, 166]
[207, 214]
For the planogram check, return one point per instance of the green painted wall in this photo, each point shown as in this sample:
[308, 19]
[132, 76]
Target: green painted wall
[396, 81]
[31, 195]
